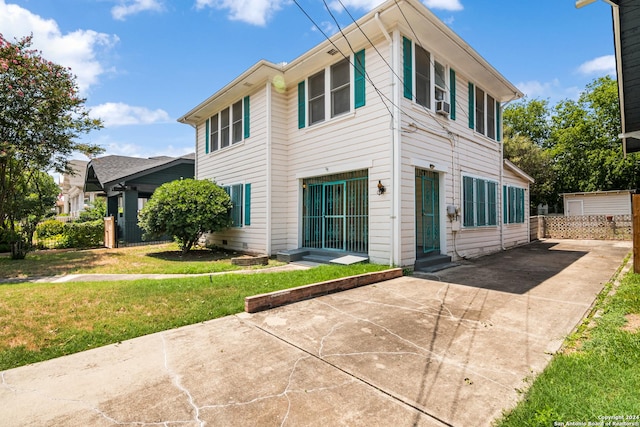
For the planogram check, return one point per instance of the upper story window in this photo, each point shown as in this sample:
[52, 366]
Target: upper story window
[228, 127]
[425, 79]
[484, 114]
[328, 92]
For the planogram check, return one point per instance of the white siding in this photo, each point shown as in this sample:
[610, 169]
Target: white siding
[600, 203]
[241, 163]
[516, 234]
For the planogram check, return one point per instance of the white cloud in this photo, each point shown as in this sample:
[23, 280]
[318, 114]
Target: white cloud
[78, 50]
[329, 28]
[553, 90]
[131, 7]
[120, 114]
[256, 12]
[453, 5]
[603, 64]
[366, 5]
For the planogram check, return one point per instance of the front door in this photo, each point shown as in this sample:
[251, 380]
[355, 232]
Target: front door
[335, 212]
[334, 218]
[427, 213]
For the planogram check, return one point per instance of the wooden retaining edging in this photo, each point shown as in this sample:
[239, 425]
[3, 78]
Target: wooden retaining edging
[269, 300]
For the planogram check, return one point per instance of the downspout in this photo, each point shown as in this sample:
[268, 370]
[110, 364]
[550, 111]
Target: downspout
[268, 166]
[501, 189]
[396, 159]
[395, 138]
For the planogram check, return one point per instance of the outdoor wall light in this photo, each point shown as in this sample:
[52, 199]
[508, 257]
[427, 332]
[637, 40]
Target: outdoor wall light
[381, 188]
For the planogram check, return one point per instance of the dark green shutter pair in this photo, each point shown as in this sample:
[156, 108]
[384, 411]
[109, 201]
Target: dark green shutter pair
[472, 112]
[513, 203]
[359, 89]
[407, 71]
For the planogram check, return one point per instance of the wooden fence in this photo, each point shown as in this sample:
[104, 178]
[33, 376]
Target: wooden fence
[591, 227]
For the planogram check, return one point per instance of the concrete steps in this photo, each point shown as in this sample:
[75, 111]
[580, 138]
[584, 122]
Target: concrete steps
[433, 263]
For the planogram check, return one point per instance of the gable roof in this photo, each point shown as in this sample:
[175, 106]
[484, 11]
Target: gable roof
[106, 170]
[515, 169]
[411, 17]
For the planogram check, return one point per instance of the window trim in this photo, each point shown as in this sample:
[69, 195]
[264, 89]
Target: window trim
[514, 204]
[411, 74]
[489, 216]
[237, 129]
[355, 90]
[491, 114]
[242, 202]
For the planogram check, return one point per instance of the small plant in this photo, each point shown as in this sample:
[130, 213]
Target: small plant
[49, 228]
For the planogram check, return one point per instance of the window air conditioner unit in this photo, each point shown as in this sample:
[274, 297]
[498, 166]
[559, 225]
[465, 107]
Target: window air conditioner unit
[443, 108]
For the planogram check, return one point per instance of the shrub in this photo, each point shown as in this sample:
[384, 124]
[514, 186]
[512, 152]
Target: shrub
[49, 228]
[83, 234]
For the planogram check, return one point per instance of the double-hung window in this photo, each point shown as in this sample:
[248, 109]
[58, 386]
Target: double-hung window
[440, 86]
[328, 93]
[227, 127]
[425, 79]
[479, 202]
[240, 195]
[316, 98]
[486, 112]
[513, 201]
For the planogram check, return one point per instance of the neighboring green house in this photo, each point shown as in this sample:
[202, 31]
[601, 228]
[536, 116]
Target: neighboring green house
[128, 182]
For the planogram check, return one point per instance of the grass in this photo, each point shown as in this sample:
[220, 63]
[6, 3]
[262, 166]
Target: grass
[44, 321]
[164, 258]
[597, 374]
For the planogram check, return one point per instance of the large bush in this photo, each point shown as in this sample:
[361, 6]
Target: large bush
[84, 234]
[49, 228]
[186, 209]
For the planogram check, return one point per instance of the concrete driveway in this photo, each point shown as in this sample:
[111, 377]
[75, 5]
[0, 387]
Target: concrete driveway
[446, 350]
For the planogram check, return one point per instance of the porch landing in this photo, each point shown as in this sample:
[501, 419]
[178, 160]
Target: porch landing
[321, 256]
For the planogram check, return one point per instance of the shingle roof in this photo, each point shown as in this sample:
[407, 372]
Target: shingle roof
[109, 169]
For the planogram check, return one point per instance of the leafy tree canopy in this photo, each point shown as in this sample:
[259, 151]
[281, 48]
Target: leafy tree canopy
[41, 115]
[574, 146]
[186, 209]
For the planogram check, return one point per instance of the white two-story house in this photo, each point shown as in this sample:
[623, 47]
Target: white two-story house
[383, 141]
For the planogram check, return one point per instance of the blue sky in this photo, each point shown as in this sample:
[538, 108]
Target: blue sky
[141, 64]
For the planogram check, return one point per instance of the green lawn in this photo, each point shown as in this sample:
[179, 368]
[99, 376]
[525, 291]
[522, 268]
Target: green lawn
[43, 321]
[163, 258]
[597, 375]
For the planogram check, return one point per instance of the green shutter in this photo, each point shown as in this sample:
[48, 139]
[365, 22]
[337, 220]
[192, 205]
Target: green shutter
[206, 136]
[301, 105]
[505, 205]
[492, 203]
[452, 93]
[359, 87]
[472, 105]
[481, 201]
[520, 197]
[408, 68]
[468, 208]
[247, 204]
[498, 122]
[247, 116]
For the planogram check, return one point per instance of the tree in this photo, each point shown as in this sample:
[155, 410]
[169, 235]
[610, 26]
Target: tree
[186, 209]
[585, 145]
[535, 161]
[41, 115]
[529, 118]
[36, 194]
[526, 132]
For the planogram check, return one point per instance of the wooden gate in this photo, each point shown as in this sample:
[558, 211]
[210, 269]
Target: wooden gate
[110, 232]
